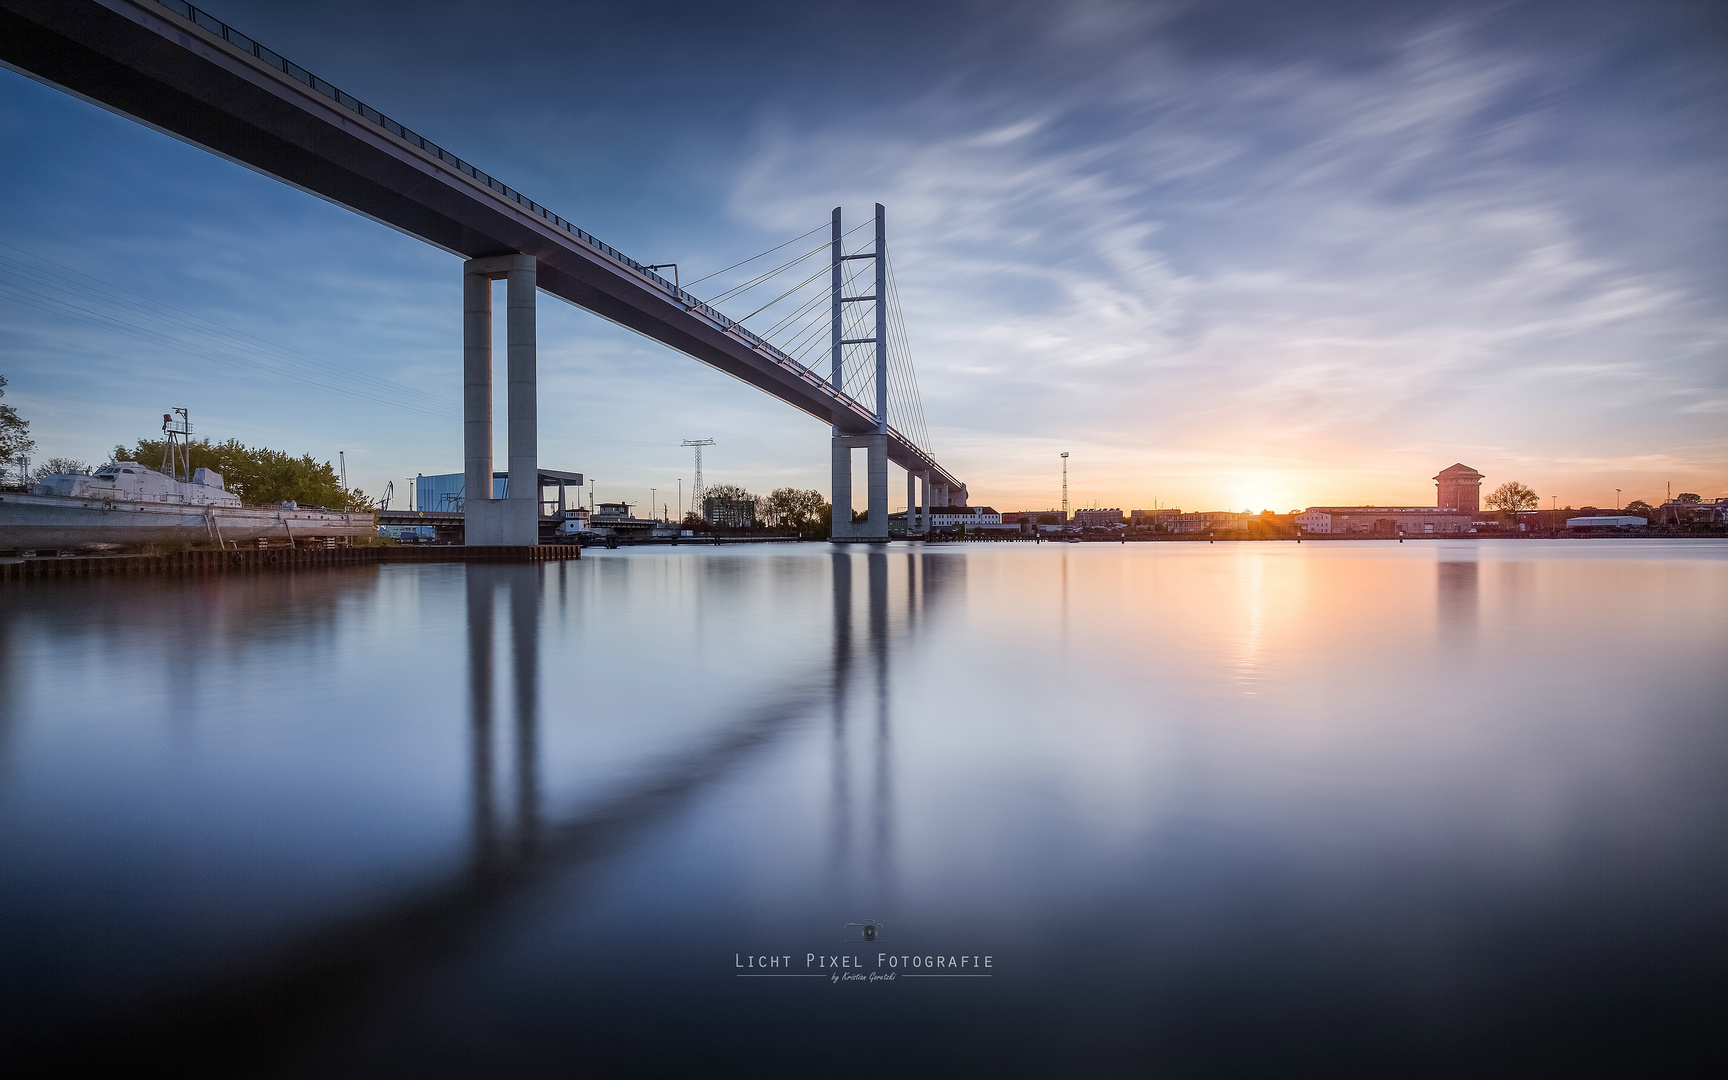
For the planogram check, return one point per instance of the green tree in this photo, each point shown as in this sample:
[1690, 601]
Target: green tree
[15, 440]
[1639, 506]
[258, 475]
[1511, 497]
[58, 465]
[803, 511]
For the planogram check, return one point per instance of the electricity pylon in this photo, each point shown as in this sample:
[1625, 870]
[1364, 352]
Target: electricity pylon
[696, 488]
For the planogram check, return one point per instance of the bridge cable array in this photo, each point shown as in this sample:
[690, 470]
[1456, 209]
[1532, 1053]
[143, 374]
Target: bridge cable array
[797, 295]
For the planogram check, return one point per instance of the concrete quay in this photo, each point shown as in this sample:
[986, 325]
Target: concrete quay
[253, 559]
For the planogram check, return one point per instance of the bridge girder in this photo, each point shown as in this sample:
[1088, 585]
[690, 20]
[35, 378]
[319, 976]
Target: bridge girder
[143, 61]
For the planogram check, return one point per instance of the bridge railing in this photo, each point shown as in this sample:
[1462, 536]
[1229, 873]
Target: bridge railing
[216, 27]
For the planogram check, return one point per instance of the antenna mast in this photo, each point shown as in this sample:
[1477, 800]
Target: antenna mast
[176, 456]
[1064, 487]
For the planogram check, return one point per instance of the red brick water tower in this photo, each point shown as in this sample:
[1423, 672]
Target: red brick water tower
[1460, 488]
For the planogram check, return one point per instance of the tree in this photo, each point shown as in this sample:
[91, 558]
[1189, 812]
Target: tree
[1639, 506]
[1511, 497]
[803, 511]
[257, 474]
[58, 465]
[15, 440]
[1683, 497]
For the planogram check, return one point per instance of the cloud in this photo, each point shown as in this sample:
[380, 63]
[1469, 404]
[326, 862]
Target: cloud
[1314, 260]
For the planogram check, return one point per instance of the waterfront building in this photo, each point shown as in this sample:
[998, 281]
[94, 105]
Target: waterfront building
[615, 519]
[1147, 519]
[948, 519]
[1693, 511]
[1384, 521]
[1459, 487]
[1207, 521]
[730, 513]
[969, 516]
[1098, 519]
[1607, 521]
[446, 492]
[1034, 521]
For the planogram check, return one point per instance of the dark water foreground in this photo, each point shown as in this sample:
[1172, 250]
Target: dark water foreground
[1180, 810]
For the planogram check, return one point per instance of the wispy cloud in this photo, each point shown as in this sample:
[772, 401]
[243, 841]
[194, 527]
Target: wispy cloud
[1305, 258]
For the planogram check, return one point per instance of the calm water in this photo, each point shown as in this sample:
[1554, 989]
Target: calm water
[1236, 809]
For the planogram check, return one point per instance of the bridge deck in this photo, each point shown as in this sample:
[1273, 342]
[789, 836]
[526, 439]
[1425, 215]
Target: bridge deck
[200, 81]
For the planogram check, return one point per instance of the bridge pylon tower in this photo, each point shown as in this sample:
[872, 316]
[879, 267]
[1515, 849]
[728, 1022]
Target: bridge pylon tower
[513, 521]
[874, 528]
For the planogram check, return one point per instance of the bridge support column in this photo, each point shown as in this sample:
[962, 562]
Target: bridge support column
[513, 521]
[911, 504]
[874, 529]
[924, 506]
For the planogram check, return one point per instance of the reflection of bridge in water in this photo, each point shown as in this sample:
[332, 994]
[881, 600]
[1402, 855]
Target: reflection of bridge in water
[286, 996]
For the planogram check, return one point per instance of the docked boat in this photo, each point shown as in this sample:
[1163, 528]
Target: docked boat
[127, 503]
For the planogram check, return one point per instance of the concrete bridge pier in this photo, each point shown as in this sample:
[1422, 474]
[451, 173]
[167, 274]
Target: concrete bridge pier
[513, 521]
[875, 528]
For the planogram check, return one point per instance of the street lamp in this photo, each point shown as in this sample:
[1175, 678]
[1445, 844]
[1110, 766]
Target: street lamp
[1616, 500]
[674, 266]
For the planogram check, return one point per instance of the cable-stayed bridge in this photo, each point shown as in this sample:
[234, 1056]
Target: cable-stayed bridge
[831, 341]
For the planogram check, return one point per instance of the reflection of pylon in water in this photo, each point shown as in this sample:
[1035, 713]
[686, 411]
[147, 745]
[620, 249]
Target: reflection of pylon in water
[697, 489]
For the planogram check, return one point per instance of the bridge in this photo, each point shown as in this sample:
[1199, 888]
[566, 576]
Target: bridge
[178, 69]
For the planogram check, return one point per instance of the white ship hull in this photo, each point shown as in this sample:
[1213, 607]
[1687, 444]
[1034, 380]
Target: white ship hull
[55, 521]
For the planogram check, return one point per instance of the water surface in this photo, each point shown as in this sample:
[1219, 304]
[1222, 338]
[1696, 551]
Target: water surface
[1234, 809]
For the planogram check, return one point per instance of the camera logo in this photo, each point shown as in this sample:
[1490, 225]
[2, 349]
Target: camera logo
[855, 933]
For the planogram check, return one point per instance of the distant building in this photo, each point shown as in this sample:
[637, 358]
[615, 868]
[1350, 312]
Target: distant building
[1153, 518]
[1693, 511]
[949, 516]
[730, 513]
[447, 492]
[1034, 521]
[1384, 521]
[615, 519]
[1207, 521]
[1098, 519]
[1607, 521]
[1459, 488]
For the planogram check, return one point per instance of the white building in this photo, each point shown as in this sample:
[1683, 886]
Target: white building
[1607, 521]
[969, 516]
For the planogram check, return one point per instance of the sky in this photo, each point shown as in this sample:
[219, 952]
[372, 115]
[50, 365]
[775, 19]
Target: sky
[1227, 255]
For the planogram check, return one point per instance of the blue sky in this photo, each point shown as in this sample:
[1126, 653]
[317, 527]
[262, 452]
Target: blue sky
[1227, 254]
